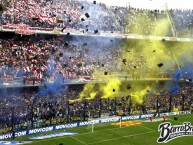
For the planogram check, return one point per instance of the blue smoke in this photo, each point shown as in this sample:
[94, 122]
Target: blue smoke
[187, 71]
[172, 87]
[57, 87]
[52, 88]
[175, 89]
[177, 76]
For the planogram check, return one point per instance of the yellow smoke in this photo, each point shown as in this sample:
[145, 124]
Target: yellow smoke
[111, 89]
[92, 95]
[137, 96]
[161, 28]
[142, 58]
[89, 91]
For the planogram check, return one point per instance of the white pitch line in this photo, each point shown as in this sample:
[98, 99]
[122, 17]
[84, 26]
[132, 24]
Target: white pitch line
[79, 134]
[35, 141]
[78, 140]
[119, 137]
[87, 133]
[101, 130]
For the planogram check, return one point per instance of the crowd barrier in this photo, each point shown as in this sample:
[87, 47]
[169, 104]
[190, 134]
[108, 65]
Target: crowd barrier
[84, 123]
[57, 31]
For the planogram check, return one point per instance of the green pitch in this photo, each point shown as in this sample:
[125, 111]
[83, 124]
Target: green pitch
[107, 134]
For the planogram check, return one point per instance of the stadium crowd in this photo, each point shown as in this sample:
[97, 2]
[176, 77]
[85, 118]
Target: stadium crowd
[47, 58]
[87, 17]
[183, 20]
[60, 14]
[83, 16]
[140, 21]
[19, 108]
[38, 60]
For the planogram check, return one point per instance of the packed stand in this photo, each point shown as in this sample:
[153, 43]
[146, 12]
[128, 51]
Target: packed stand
[59, 14]
[140, 21]
[84, 16]
[36, 61]
[183, 94]
[183, 21]
[27, 109]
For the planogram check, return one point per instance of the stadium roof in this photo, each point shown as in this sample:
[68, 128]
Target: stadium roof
[150, 4]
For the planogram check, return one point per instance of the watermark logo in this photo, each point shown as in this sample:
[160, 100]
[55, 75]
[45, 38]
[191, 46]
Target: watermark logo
[169, 132]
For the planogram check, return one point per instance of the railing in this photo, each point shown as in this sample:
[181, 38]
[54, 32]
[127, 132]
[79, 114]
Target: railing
[115, 34]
